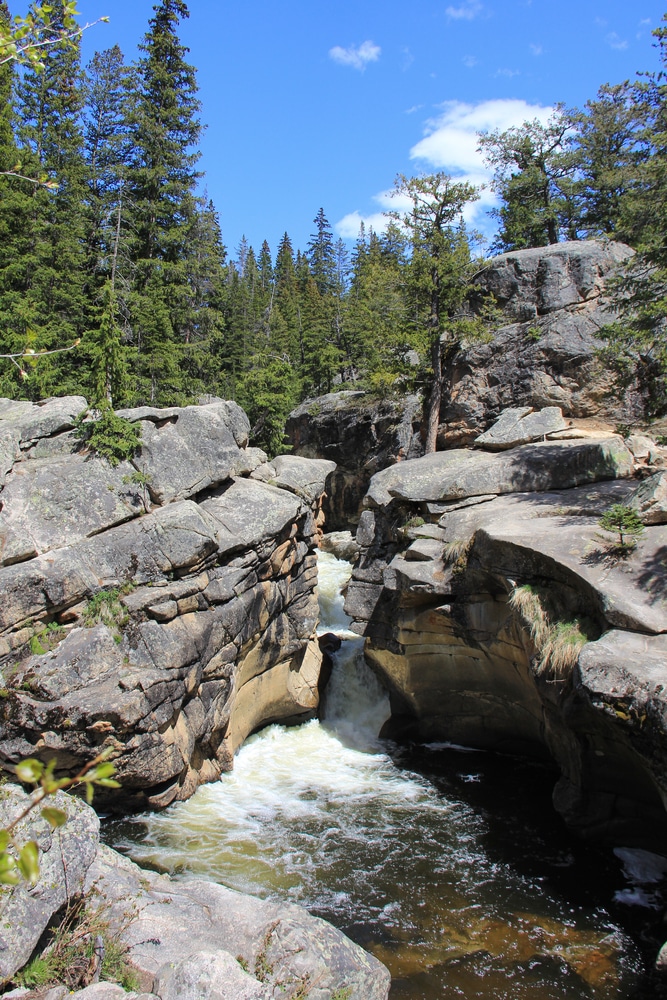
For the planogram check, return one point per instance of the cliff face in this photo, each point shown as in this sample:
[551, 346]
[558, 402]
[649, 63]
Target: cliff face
[361, 436]
[553, 302]
[165, 607]
[463, 554]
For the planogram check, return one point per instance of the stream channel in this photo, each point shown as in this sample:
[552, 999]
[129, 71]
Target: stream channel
[449, 865]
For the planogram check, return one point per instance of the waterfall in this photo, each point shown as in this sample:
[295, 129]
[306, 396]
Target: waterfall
[440, 862]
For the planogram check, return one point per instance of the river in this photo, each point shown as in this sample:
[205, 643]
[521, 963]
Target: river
[449, 865]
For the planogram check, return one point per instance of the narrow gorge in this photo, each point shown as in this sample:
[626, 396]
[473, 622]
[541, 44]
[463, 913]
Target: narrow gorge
[446, 746]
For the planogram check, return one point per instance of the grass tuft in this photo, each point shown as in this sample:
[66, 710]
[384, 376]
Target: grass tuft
[558, 643]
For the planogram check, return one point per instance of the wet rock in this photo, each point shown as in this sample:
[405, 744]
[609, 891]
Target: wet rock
[341, 544]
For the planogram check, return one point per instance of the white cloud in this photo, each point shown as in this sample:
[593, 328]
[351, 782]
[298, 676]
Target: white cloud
[470, 61]
[450, 144]
[466, 12]
[508, 72]
[615, 41]
[537, 50]
[356, 56]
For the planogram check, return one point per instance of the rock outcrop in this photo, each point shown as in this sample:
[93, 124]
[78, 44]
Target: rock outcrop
[361, 435]
[237, 947]
[166, 607]
[499, 615]
[539, 369]
[553, 302]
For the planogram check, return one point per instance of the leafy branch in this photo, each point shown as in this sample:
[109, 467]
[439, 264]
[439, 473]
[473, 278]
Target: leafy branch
[24, 39]
[24, 862]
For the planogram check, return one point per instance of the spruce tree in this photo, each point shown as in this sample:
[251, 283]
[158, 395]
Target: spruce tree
[161, 183]
[43, 304]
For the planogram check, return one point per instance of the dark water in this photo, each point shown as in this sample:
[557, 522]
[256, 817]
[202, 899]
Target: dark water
[449, 866]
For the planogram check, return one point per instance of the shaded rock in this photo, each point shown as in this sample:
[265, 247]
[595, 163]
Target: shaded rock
[341, 544]
[650, 499]
[361, 435]
[65, 855]
[521, 425]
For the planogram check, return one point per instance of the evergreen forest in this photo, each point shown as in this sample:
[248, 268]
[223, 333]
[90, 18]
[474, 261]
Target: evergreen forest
[115, 282]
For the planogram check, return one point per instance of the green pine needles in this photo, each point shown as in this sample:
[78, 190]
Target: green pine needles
[625, 523]
[111, 437]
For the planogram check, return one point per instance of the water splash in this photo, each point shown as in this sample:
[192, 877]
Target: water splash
[322, 815]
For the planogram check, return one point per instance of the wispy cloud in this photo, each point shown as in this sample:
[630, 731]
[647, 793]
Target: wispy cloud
[468, 11]
[537, 50]
[615, 41]
[470, 61]
[451, 144]
[356, 56]
[508, 72]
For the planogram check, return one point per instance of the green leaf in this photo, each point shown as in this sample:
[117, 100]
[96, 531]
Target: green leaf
[104, 770]
[28, 861]
[30, 771]
[4, 840]
[89, 793]
[55, 817]
[108, 783]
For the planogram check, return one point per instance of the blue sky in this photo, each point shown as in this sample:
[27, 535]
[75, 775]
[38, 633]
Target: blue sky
[310, 103]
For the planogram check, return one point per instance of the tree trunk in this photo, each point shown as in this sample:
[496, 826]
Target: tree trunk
[436, 398]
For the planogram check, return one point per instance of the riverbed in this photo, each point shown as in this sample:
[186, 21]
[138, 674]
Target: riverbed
[449, 865]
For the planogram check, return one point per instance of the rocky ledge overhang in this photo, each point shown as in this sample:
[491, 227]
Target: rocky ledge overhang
[164, 608]
[450, 543]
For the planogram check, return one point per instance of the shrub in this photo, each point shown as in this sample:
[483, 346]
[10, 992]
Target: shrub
[558, 643]
[626, 523]
[110, 436]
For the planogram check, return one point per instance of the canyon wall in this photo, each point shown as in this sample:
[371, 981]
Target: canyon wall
[165, 607]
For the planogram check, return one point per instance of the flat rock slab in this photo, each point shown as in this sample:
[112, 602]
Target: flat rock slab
[521, 425]
[179, 921]
[557, 534]
[456, 474]
[650, 499]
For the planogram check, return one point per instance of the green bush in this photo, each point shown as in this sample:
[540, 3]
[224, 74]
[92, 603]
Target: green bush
[109, 436]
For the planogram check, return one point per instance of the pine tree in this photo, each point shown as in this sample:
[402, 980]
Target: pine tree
[161, 182]
[42, 270]
[322, 255]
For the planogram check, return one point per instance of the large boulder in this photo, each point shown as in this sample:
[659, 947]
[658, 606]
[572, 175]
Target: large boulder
[461, 473]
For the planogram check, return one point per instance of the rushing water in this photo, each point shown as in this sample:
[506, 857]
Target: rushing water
[450, 866]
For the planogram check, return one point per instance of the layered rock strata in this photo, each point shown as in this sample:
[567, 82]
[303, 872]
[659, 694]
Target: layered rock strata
[458, 551]
[164, 608]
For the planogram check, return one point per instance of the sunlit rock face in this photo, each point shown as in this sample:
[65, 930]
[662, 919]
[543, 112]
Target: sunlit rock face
[166, 607]
[552, 302]
[454, 554]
